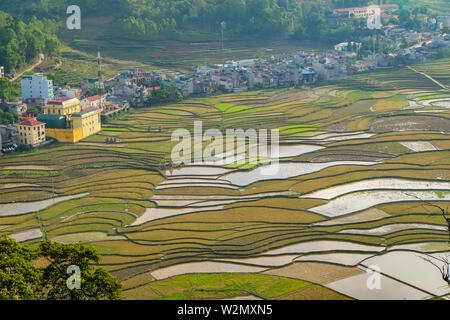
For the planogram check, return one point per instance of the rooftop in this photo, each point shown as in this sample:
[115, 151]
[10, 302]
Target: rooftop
[30, 122]
[94, 98]
[62, 101]
[87, 111]
[384, 6]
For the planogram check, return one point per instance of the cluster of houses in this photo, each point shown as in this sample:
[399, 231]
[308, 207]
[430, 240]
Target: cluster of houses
[388, 11]
[301, 69]
[63, 119]
[279, 71]
[68, 116]
[64, 116]
[137, 85]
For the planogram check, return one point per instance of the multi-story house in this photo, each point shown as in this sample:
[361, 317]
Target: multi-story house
[36, 86]
[31, 132]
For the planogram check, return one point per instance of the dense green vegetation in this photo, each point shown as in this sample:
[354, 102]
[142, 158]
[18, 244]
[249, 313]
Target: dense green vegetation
[198, 19]
[167, 94]
[8, 91]
[21, 42]
[30, 274]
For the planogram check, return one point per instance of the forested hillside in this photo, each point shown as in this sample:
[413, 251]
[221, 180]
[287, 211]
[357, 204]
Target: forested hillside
[178, 19]
[21, 42]
[173, 19]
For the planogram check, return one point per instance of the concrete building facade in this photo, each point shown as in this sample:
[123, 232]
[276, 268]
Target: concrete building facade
[36, 86]
[31, 132]
[63, 106]
[66, 122]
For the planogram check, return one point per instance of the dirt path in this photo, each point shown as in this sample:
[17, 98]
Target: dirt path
[30, 68]
[429, 77]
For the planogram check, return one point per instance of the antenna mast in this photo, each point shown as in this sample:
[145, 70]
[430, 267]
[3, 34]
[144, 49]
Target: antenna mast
[101, 83]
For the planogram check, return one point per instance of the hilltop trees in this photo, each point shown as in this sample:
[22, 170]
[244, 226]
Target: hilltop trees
[21, 43]
[183, 19]
[43, 273]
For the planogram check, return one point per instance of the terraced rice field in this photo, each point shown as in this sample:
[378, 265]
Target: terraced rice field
[361, 172]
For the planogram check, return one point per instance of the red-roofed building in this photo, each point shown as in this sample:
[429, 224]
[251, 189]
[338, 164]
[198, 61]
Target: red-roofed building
[93, 102]
[153, 89]
[31, 132]
[61, 101]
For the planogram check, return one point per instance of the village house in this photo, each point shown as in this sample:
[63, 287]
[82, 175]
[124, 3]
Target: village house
[67, 92]
[17, 107]
[309, 76]
[89, 83]
[96, 101]
[443, 21]
[31, 132]
[348, 46]
[36, 89]
[363, 12]
[8, 138]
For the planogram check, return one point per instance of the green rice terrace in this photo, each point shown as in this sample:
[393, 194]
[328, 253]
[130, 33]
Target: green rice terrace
[364, 166]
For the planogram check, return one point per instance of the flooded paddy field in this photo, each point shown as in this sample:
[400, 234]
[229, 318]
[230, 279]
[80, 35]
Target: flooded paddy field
[361, 176]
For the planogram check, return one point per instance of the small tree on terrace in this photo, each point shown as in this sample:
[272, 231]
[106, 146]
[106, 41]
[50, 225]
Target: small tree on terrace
[443, 265]
[444, 212]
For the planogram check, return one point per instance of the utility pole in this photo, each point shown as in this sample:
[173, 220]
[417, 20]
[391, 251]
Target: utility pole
[223, 25]
[53, 188]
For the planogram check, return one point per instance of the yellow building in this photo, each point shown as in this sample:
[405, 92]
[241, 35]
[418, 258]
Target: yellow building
[31, 132]
[65, 135]
[89, 121]
[63, 107]
[66, 122]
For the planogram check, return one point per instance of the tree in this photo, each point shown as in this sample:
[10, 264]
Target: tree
[18, 278]
[443, 212]
[21, 43]
[96, 283]
[444, 52]
[34, 111]
[444, 269]
[169, 93]
[8, 90]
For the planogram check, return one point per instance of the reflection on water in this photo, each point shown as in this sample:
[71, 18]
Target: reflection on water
[13, 209]
[285, 171]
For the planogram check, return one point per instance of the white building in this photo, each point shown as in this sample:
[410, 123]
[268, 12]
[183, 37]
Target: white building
[2, 71]
[443, 21]
[344, 46]
[364, 12]
[69, 93]
[186, 86]
[36, 87]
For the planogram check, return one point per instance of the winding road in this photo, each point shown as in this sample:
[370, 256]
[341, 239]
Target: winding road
[30, 68]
